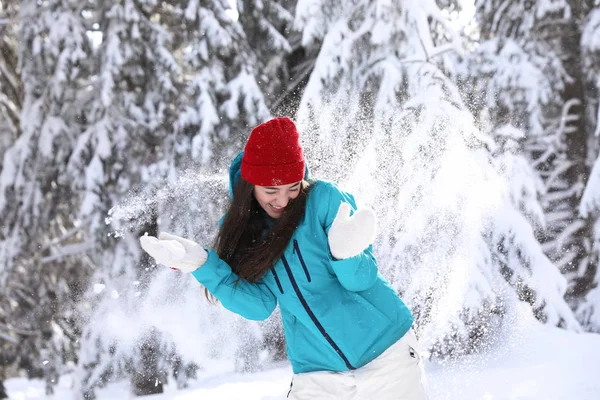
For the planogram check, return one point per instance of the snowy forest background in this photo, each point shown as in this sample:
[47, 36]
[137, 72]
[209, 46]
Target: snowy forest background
[471, 129]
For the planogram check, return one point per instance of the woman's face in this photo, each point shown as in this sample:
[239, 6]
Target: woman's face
[274, 199]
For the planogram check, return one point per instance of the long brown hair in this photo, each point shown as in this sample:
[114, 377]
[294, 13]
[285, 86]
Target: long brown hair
[249, 240]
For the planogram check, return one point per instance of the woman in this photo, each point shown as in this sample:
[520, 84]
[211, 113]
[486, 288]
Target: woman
[291, 240]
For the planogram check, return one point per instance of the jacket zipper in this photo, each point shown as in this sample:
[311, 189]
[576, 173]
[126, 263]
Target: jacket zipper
[312, 315]
[297, 248]
[277, 280]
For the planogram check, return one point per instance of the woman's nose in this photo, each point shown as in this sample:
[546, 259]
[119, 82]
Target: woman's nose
[282, 201]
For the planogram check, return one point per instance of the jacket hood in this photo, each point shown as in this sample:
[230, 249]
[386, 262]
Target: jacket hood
[235, 172]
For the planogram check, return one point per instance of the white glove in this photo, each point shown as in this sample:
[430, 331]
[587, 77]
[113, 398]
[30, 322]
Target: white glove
[351, 235]
[174, 251]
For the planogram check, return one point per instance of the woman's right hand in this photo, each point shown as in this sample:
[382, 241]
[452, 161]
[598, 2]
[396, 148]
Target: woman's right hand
[174, 251]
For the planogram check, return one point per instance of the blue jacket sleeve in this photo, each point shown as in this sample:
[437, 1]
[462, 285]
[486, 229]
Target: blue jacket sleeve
[253, 301]
[356, 273]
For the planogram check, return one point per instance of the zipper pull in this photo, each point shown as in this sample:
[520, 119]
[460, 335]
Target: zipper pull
[295, 245]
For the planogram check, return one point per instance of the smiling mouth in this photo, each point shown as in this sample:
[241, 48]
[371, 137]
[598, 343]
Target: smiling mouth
[277, 210]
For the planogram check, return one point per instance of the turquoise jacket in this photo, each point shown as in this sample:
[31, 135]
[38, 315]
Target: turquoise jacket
[338, 315]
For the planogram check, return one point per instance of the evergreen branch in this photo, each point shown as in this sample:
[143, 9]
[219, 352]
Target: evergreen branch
[294, 85]
[61, 322]
[439, 50]
[543, 157]
[68, 234]
[559, 196]
[435, 13]
[568, 233]
[17, 331]
[597, 130]
[67, 250]
[498, 15]
[568, 258]
[566, 117]
[8, 338]
[26, 297]
[550, 23]
[560, 169]
[435, 50]
[10, 107]
[12, 78]
[554, 140]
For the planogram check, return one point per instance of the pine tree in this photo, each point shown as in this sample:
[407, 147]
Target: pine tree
[381, 108]
[128, 113]
[267, 26]
[38, 244]
[221, 103]
[11, 97]
[11, 88]
[516, 244]
[588, 305]
[178, 95]
[224, 99]
[527, 72]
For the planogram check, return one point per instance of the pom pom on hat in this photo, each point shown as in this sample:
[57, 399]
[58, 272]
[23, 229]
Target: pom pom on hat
[273, 154]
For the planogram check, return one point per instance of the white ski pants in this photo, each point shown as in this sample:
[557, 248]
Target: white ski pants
[397, 374]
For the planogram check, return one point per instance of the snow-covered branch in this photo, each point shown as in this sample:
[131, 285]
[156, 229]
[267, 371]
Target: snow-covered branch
[67, 251]
[80, 226]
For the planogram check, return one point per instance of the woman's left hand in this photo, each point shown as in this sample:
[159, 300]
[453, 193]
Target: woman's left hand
[350, 235]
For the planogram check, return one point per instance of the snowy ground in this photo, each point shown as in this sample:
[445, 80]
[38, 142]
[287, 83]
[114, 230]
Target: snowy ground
[530, 363]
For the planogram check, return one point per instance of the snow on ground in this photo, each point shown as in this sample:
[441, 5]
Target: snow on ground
[532, 362]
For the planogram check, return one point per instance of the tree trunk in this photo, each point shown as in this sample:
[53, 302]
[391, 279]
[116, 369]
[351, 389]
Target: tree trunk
[146, 377]
[577, 152]
[3, 393]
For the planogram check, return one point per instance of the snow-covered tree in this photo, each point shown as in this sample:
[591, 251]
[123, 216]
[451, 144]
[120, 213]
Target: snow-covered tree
[267, 27]
[120, 118]
[225, 98]
[128, 111]
[38, 246]
[221, 102]
[178, 95]
[588, 307]
[528, 72]
[590, 49]
[11, 88]
[516, 243]
[512, 83]
[11, 97]
[382, 113]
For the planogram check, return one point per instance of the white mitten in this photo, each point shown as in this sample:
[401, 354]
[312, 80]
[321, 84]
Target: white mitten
[351, 235]
[174, 251]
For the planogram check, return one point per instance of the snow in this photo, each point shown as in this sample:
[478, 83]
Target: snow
[547, 7]
[529, 361]
[590, 201]
[419, 129]
[590, 40]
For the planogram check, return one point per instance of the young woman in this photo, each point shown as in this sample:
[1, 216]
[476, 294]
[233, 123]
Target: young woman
[301, 243]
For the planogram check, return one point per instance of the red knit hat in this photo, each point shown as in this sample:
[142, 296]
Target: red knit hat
[273, 154]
